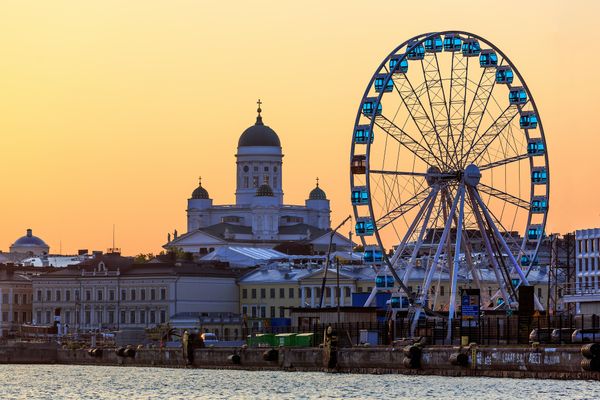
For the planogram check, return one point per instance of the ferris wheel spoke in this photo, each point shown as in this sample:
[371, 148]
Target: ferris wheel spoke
[505, 161]
[407, 141]
[504, 196]
[478, 106]
[458, 95]
[437, 98]
[417, 112]
[402, 209]
[481, 144]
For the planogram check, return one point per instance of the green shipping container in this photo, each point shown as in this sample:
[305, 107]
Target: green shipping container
[286, 339]
[266, 340]
[305, 339]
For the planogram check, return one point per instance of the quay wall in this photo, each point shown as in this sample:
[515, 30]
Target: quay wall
[543, 362]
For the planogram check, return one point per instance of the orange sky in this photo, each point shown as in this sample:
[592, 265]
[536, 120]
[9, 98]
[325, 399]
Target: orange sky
[110, 110]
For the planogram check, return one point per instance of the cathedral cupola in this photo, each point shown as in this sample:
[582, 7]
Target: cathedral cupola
[317, 193]
[200, 192]
[259, 134]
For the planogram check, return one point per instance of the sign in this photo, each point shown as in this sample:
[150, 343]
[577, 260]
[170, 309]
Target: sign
[470, 307]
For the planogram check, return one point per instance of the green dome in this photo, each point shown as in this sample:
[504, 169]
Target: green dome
[200, 192]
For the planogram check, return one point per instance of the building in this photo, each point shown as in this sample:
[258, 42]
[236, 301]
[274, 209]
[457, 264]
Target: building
[111, 292]
[30, 245]
[259, 217]
[585, 293]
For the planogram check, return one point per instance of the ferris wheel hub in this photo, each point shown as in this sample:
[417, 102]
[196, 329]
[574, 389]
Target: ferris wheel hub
[472, 175]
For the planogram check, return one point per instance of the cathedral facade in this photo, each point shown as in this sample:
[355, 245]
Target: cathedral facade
[259, 217]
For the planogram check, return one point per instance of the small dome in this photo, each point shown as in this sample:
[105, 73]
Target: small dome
[317, 193]
[259, 134]
[264, 191]
[200, 192]
[29, 240]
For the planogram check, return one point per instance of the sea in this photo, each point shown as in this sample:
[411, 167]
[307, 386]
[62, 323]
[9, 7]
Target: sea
[100, 382]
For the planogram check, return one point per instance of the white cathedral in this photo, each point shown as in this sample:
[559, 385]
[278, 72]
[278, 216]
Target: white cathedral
[259, 218]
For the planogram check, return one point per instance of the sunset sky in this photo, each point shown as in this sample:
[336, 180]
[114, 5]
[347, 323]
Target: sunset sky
[110, 110]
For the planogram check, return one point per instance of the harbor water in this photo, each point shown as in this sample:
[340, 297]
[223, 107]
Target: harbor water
[100, 382]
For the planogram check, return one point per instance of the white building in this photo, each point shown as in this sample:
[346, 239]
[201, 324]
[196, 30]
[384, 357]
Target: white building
[586, 292]
[259, 217]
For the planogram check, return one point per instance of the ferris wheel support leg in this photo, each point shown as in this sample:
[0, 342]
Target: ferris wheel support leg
[488, 247]
[371, 297]
[419, 243]
[453, 288]
[505, 247]
[433, 266]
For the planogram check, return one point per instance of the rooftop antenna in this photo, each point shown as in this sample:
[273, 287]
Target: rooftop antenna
[113, 249]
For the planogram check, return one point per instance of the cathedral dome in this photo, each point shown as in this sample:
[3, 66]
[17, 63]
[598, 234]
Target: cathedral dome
[200, 192]
[317, 193]
[259, 134]
[264, 191]
[29, 244]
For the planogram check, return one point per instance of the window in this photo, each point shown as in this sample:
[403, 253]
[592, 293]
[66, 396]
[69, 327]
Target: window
[24, 299]
[299, 293]
[143, 294]
[327, 292]
[68, 295]
[291, 293]
[15, 317]
[67, 317]
[266, 169]
[48, 296]
[123, 295]
[23, 316]
[163, 316]
[274, 182]
[39, 295]
[87, 317]
[272, 293]
[132, 294]
[347, 292]
[111, 295]
[152, 294]
[76, 294]
[16, 300]
[360, 289]
[152, 317]
[263, 311]
[111, 317]
[244, 293]
[263, 293]
[142, 317]
[253, 293]
[5, 316]
[99, 295]
[539, 293]
[272, 311]
[282, 293]
[246, 182]
[255, 181]
[281, 312]
[265, 179]
[441, 290]
[246, 169]
[254, 314]
[132, 317]
[38, 317]
[244, 310]
[58, 295]
[122, 317]
[255, 169]
[163, 294]
[88, 295]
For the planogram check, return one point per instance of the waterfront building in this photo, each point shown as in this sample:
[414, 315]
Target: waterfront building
[259, 217]
[585, 293]
[111, 292]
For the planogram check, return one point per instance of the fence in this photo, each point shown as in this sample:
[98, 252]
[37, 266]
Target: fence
[487, 330]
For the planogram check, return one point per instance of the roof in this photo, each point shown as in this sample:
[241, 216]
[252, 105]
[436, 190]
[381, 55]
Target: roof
[317, 194]
[259, 135]
[200, 192]
[29, 240]
[244, 256]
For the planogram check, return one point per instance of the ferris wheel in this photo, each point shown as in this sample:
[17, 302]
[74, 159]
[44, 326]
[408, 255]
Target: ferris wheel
[449, 171]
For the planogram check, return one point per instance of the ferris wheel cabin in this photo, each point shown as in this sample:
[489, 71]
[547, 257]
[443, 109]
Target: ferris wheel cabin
[415, 51]
[379, 83]
[369, 108]
[384, 281]
[535, 147]
[528, 120]
[534, 232]
[359, 164]
[359, 195]
[504, 75]
[471, 48]
[488, 58]
[398, 63]
[517, 95]
[399, 302]
[364, 226]
[452, 43]
[363, 134]
[539, 204]
[373, 255]
[526, 261]
[433, 44]
[539, 175]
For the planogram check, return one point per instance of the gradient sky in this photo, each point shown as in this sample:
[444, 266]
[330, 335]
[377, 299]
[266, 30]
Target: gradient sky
[110, 110]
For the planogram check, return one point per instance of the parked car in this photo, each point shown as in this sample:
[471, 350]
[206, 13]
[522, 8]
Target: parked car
[209, 338]
[585, 336]
[541, 335]
[562, 335]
